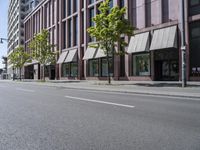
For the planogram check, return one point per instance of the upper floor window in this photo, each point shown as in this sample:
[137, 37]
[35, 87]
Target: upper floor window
[121, 4]
[64, 8]
[75, 30]
[194, 7]
[91, 15]
[75, 5]
[165, 11]
[64, 35]
[69, 33]
[111, 3]
[148, 13]
[91, 23]
[69, 7]
[91, 1]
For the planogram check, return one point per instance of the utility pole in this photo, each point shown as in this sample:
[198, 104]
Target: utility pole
[183, 45]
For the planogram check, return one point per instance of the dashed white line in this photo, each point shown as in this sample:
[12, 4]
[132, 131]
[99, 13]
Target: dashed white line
[25, 90]
[100, 102]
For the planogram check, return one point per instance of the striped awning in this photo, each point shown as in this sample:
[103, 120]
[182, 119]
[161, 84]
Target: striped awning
[139, 43]
[100, 53]
[62, 57]
[31, 63]
[164, 38]
[72, 56]
[90, 53]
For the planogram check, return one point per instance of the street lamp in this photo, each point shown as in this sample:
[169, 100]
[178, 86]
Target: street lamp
[8, 40]
[183, 44]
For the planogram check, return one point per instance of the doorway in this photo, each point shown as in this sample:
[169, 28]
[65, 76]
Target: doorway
[52, 72]
[166, 70]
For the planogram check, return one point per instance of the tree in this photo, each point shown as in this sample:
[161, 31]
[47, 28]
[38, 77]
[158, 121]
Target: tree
[42, 50]
[18, 58]
[109, 27]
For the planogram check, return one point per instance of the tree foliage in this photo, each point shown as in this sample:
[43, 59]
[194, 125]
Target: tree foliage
[18, 58]
[42, 50]
[109, 27]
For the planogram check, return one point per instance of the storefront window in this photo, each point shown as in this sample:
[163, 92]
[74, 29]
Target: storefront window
[141, 65]
[65, 69]
[104, 67]
[46, 71]
[74, 69]
[70, 69]
[195, 48]
[94, 68]
[174, 69]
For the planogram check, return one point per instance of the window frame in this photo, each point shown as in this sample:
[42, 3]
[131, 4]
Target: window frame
[193, 7]
[134, 66]
[69, 74]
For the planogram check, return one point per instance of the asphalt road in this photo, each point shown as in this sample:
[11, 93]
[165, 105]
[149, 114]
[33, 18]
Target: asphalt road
[36, 117]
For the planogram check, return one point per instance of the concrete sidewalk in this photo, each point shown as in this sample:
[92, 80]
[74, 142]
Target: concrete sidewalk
[153, 88]
[138, 87]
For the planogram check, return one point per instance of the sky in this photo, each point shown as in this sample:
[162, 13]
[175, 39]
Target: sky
[3, 28]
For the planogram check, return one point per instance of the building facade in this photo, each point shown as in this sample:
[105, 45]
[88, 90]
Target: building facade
[154, 52]
[17, 11]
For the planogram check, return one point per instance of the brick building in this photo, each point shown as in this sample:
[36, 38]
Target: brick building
[154, 51]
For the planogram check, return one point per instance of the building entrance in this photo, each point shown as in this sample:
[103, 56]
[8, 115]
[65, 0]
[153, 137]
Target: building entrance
[52, 72]
[29, 72]
[166, 70]
[166, 65]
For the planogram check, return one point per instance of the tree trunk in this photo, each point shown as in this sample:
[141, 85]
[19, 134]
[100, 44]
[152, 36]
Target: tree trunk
[20, 74]
[13, 74]
[108, 63]
[43, 72]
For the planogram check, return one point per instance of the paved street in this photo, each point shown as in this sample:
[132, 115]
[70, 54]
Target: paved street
[39, 117]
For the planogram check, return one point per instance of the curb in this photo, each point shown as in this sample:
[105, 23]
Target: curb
[111, 90]
[129, 92]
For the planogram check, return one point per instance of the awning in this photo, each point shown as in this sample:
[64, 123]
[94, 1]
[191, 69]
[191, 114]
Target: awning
[100, 53]
[164, 38]
[31, 63]
[90, 53]
[72, 56]
[139, 43]
[62, 57]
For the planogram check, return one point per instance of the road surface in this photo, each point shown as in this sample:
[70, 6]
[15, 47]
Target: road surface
[35, 117]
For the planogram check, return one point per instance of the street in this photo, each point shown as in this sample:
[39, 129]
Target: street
[38, 117]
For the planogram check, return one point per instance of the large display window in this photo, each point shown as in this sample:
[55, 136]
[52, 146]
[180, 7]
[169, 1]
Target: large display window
[195, 48]
[104, 67]
[70, 69]
[99, 67]
[141, 65]
[94, 67]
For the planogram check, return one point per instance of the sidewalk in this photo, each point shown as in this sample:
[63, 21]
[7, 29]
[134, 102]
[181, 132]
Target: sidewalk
[137, 87]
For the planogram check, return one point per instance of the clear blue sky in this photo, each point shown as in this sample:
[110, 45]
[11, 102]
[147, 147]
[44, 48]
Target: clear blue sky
[3, 28]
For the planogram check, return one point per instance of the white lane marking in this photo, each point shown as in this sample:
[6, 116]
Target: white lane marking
[25, 90]
[100, 102]
[144, 95]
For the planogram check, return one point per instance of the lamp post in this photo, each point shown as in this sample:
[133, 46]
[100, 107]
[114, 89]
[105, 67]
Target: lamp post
[8, 40]
[183, 45]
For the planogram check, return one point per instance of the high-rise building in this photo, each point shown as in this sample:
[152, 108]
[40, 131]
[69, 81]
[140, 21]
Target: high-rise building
[17, 11]
[154, 52]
